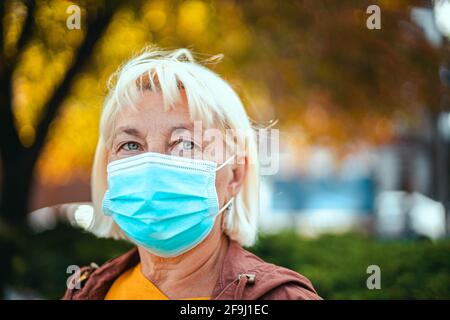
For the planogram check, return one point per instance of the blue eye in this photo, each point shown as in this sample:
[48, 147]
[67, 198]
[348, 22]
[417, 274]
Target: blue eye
[182, 146]
[187, 145]
[131, 146]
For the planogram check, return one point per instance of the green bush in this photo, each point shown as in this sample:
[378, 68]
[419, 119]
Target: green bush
[336, 265]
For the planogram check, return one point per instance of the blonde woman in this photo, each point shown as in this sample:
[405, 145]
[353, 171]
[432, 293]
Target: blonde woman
[168, 178]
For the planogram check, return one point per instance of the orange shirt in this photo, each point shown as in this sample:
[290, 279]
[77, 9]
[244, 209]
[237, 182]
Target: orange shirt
[132, 285]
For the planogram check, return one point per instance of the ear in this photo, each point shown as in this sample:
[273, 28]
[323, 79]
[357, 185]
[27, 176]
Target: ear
[239, 171]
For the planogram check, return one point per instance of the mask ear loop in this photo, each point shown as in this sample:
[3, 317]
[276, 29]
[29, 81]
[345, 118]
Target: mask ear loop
[227, 208]
[225, 163]
[229, 204]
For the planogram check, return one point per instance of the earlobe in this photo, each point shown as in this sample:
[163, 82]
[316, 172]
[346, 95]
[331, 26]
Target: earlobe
[239, 173]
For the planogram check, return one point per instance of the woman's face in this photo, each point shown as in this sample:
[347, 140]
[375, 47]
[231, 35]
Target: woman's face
[149, 128]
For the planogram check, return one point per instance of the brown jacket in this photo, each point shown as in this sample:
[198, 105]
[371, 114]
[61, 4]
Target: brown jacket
[243, 276]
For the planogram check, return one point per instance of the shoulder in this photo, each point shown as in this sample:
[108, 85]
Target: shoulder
[285, 284]
[298, 288]
[93, 282]
[291, 292]
[269, 281]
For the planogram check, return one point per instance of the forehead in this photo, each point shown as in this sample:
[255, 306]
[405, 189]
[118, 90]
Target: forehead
[149, 110]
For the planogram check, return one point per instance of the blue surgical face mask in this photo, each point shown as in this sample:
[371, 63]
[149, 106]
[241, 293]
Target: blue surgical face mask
[163, 203]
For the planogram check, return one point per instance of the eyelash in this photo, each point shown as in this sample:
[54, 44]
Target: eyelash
[124, 144]
[181, 140]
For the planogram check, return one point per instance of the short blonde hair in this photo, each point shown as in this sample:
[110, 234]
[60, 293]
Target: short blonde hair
[210, 99]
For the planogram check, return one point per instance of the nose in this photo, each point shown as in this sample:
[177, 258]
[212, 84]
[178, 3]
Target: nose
[157, 144]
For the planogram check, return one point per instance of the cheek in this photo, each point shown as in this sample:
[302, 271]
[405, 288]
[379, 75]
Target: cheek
[222, 182]
[112, 156]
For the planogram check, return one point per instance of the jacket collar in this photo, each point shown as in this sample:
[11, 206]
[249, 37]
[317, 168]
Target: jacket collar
[244, 276]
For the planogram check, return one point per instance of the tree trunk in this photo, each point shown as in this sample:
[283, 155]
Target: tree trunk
[17, 179]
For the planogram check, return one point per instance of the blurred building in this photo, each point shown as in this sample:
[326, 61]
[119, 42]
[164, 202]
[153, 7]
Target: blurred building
[388, 190]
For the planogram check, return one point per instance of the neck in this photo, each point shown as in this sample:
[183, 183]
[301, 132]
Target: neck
[192, 274]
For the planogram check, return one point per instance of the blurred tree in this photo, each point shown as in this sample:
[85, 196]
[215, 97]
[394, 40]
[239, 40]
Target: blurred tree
[314, 65]
[21, 146]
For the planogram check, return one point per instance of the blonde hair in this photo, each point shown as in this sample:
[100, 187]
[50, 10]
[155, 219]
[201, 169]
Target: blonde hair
[209, 98]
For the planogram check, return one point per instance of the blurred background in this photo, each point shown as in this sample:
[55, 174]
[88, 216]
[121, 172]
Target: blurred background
[363, 114]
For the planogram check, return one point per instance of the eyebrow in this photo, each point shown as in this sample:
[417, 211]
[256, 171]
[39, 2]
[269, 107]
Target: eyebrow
[128, 130]
[181, 127]
[135, 132]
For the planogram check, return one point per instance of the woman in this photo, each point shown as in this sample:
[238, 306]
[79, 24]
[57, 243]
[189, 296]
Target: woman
[168, 177]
